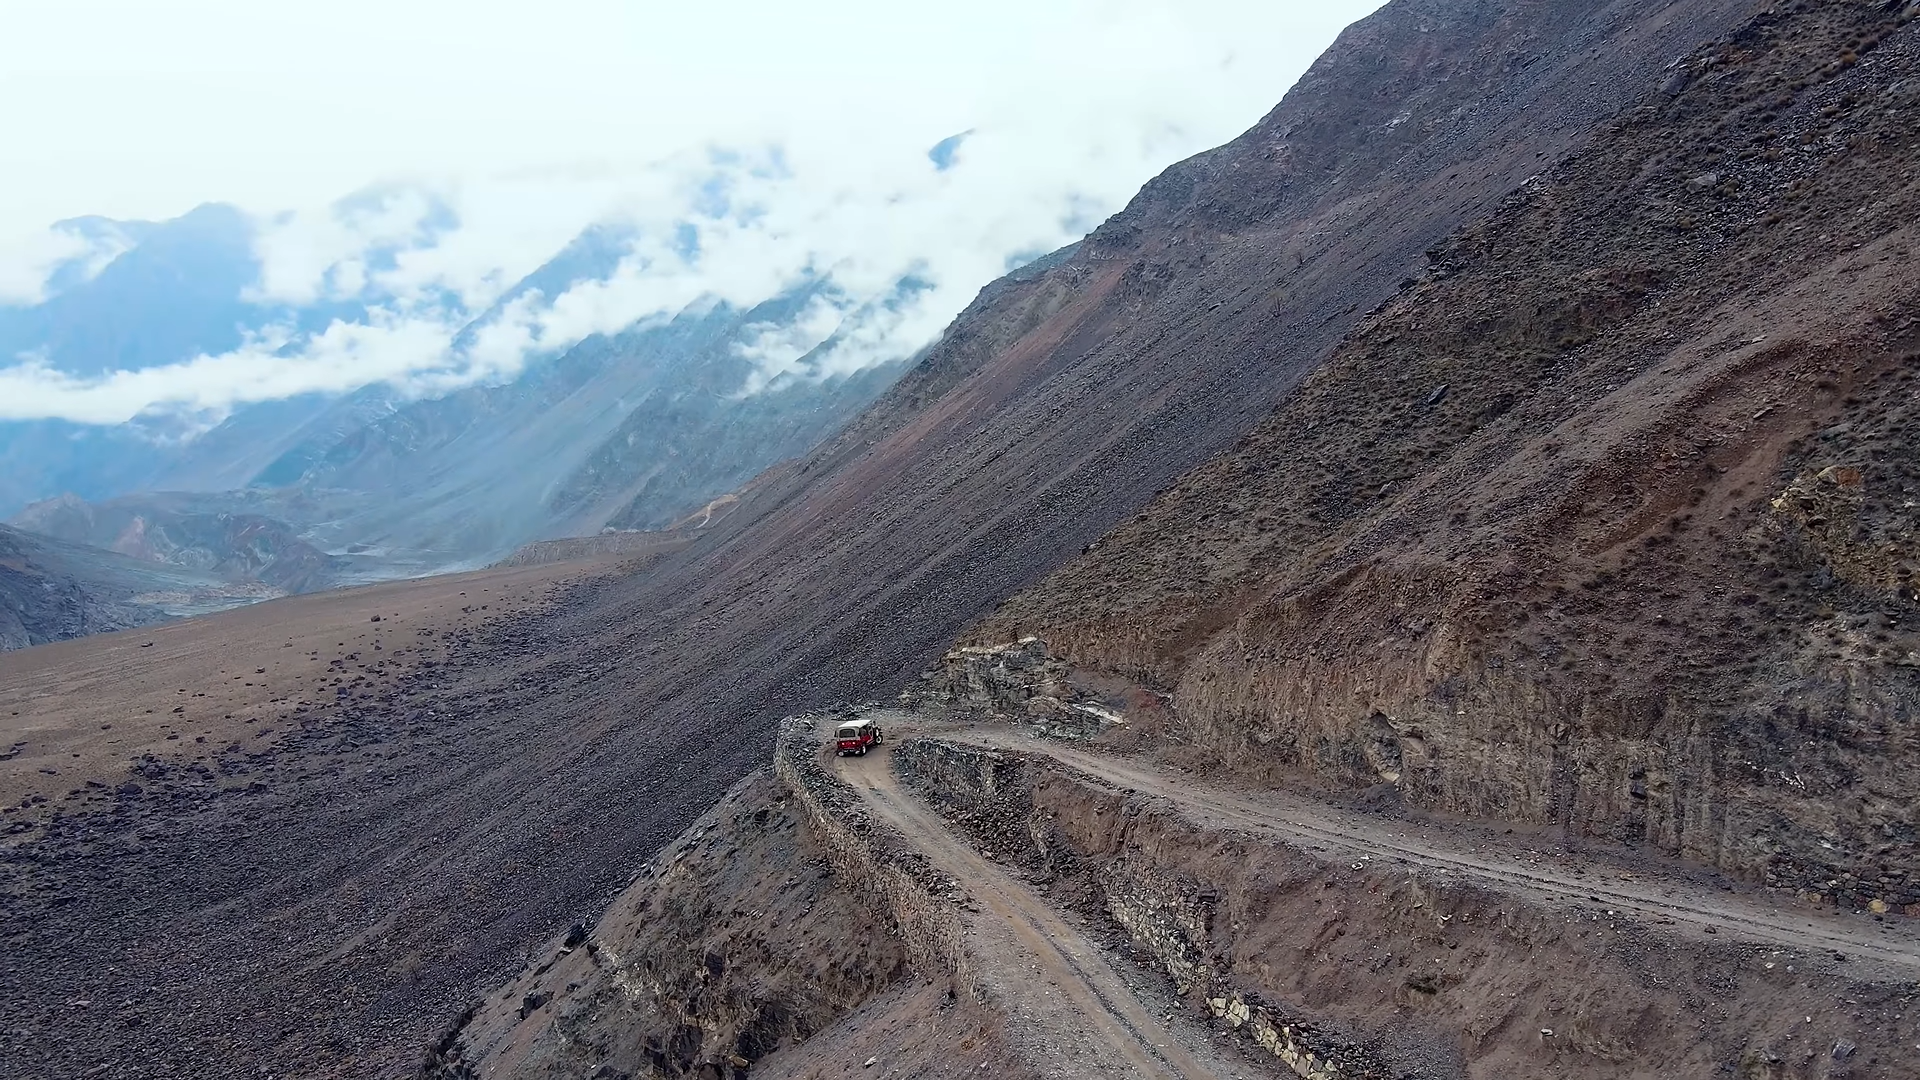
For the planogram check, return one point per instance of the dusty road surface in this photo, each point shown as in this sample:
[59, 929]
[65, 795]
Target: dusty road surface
[1887, 950]
[1057, 986]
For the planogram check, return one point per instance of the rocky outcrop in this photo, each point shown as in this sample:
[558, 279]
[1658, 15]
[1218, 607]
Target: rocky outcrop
[1021, 679]
[1873, 548]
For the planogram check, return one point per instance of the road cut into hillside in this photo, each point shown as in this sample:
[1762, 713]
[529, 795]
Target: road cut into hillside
[1053, 979]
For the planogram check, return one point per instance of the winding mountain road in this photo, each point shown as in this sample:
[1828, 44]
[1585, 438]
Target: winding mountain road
[1088, 1019]
[1888, 949]
[1051, 975]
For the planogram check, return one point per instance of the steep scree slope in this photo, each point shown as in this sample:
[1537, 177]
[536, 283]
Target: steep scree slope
[1608, 522]
[1065, 397]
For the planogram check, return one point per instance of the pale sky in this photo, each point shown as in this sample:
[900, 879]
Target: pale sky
[535, 120]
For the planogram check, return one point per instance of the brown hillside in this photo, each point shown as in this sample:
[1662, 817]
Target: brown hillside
[1607, 522]
[309, 914]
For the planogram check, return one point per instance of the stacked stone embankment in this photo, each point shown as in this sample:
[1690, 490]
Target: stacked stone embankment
[871, 858]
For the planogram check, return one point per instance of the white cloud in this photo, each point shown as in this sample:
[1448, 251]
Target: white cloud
[344, 357]
[308, 255]
[777, 348]
[30, 260]
[497, 144]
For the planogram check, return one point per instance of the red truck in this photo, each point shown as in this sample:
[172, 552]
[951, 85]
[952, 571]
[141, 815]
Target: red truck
[854, 737]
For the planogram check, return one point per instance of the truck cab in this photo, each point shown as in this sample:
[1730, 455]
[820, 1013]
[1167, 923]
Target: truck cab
[854, 737]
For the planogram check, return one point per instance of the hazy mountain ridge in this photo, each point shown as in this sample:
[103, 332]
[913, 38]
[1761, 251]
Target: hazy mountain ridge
[51, 590]
[645, 425]
[240, 547]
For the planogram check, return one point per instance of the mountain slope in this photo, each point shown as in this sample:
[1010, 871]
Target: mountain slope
[634, 430]
[1058, 402]
[53, 591]
[1608, 522]
[560, 753]
[238, 547]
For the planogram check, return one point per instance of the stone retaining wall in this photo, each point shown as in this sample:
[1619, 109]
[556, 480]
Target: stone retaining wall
[871, 858]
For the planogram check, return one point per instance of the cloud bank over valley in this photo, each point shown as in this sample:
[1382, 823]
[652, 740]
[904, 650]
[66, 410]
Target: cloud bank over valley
[642, 171]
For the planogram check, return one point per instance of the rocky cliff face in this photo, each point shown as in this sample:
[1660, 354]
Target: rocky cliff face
[1606, 519]
[37, 606]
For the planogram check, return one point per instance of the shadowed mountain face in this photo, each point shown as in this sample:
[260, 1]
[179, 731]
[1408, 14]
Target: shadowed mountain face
[234, 546]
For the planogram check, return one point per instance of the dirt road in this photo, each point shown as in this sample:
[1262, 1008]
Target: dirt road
[1058, 985]
[1889, 949]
